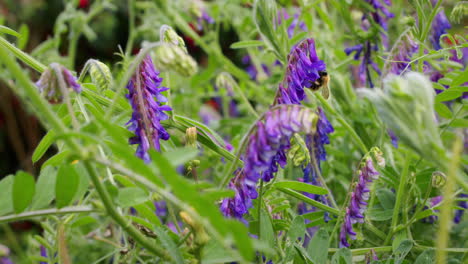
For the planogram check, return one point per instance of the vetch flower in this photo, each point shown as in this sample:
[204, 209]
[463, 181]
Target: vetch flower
[303, 69]
[252, 70]
[295, 23]
[198, 10]
[434, 201]
[146, 100]
[366, 50]
[403, 53]
[380, 14]
[265, 152]
[55, 80]
[440, 25]
[358, 205]
[459, 212]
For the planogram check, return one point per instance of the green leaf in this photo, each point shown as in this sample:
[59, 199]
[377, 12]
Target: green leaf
[180, 156]
[447, 95]
[386, 198]
[6, 202]
[426, 257]
[402, 250]
[44, 193]
[23, 191]
[24, 36]
[342, 256]
[66, 185]
[9, 31]
[214, 253]
[145, 210]
[267, 235]
[83, 183]
[131, 196]
[247, 44]
[297, 229]
[379, 215]
[459, 123]
[443, 110]
[57, 159]
[301, 187]
[318, 246]
[169, 245]
[309, 201]
[43, 146]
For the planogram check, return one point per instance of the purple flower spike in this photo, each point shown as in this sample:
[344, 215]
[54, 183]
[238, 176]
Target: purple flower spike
[302, 71]
[380, 9]
[459, 213]
[440, 25]
[283, 15]
[146, 98]
[367, 63]
[265, 152]
[402, 58]
[358, 205]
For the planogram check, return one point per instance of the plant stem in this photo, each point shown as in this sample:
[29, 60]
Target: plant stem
[399, 197]
[447, 211]
[342, 121]
[131, 27]
[39, 213]
[24, 57]
[363, 251]
[126, 224]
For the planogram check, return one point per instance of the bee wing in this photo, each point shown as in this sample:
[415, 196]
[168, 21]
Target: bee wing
[325, 91]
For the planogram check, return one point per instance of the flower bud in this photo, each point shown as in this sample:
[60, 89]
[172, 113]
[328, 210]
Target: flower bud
[99, 72]
[378, 155]
[54, 81]
[438, 179]
[167, 34]
[191, 137]
[201, 237]
[171, 57]
[225, 82]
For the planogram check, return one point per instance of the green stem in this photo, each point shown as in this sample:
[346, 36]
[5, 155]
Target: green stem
[24, 57]
[363, 251]
[310, 201]
[399, 198]
[342, 121]
[39, 213]
[131, 27]
[446, 210]
[49, 117]
[126, 224]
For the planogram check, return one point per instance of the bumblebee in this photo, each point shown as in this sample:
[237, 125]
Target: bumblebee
[322, 82]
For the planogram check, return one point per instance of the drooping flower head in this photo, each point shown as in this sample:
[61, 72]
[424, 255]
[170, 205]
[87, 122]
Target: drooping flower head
[365, 51]
[198, 10]
[146, 99]
[265, 152]
[54, 80]
[303, 69]
[358, 201]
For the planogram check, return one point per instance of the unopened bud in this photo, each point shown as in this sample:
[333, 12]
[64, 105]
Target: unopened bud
[378, 155]
[191, 136]
[459, 11]
[167, 34]
[438, 179]
[171, 57]
[201, 237]
[100, 73]
[225, 82]
[54, 80]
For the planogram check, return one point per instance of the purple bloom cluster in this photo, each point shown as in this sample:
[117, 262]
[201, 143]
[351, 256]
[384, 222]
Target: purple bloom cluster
[357, 205]
[440, 25]
[144, 88]
[205, 17]
[366, 51]
[49, 83]
[405, 51]
[302, 71]
[252, 70]
[380, 14]
[459, 213]
[283, 16]
[265, 151]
